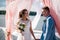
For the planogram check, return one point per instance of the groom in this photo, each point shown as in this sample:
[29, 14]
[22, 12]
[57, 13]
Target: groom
[48, 29]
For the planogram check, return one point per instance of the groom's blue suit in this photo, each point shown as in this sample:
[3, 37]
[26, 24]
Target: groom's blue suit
[48, 29]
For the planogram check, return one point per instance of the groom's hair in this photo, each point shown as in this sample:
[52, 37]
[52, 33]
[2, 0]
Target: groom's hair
[46, 8]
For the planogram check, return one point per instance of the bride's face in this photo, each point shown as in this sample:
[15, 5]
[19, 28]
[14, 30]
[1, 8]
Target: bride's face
[25, 15]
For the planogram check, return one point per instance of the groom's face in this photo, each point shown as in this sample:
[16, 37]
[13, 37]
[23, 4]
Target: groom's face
[44, 13]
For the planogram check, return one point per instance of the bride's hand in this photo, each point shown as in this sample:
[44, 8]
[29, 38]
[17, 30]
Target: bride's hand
[34, 38]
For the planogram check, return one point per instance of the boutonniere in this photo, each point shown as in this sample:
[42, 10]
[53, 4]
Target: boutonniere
[45, 20]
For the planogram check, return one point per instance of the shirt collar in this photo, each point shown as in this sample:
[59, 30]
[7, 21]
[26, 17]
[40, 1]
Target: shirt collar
[48, 16]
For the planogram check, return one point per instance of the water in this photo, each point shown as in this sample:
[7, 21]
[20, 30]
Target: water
[2, 20]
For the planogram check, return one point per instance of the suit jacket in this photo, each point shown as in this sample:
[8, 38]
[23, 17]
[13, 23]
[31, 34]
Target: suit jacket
[48, 29]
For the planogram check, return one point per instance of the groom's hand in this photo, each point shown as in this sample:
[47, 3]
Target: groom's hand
[37, 39]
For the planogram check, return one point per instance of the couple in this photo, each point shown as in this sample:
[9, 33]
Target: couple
[48, 29]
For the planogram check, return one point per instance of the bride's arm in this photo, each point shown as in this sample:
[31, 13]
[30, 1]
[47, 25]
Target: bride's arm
[32, 31]
[17, 25]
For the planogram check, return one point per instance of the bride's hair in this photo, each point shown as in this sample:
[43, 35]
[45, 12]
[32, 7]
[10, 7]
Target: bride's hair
[22, 13]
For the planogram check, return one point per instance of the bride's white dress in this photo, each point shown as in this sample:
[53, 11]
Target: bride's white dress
[26, 33]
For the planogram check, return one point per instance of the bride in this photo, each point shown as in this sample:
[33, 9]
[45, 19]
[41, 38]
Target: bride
[27, 31]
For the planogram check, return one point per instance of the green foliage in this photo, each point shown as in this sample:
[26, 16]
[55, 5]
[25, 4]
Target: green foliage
[2, 12]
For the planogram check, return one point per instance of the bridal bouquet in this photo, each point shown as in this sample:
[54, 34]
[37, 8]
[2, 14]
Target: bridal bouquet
[21, 26]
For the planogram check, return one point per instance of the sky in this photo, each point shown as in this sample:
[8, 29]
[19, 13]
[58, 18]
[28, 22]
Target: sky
[2, 4]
